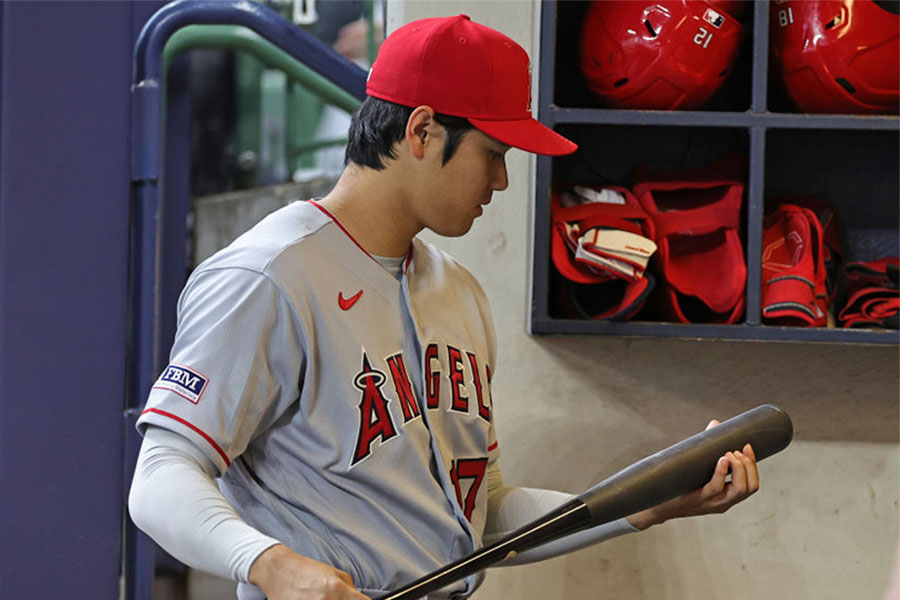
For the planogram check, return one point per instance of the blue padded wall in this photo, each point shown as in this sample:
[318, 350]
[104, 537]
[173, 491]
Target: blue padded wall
[65, 70]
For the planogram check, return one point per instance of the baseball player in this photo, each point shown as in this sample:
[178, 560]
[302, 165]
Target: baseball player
[325, 427]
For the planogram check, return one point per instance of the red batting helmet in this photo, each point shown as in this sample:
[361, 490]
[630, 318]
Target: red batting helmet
[838, 56]
[664, 54]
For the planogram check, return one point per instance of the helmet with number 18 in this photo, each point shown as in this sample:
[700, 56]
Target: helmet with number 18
[658, 55]
[838, 56]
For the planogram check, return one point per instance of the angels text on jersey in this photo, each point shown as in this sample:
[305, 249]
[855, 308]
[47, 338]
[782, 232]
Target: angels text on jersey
[467, 379]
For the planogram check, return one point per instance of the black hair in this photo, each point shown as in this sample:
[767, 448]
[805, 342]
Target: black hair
[378, 125]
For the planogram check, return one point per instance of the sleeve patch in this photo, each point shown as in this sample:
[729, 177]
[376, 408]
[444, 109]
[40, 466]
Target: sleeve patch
[186, 382]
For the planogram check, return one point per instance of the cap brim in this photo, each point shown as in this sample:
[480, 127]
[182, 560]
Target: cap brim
[526, 134]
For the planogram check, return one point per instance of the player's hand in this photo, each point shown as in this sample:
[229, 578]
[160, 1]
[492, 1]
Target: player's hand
[718, 495]
[285, 575]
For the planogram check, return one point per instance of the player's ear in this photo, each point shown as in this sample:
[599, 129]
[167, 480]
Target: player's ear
[420, 122]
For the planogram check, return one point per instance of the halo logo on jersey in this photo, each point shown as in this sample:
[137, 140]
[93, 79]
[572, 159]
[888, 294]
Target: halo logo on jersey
[458, 372]
[374, 417]
[186, 382]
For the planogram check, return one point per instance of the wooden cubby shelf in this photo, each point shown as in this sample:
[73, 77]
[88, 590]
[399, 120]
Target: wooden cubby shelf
[849, 160]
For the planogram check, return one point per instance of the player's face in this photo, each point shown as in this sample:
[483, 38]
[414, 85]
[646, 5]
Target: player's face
[458, 191]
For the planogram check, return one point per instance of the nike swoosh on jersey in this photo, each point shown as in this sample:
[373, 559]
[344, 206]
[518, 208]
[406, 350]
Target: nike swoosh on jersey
[347, 303]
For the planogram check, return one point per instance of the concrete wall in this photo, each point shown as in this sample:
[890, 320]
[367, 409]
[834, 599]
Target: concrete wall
[573, 410]
[221, 218]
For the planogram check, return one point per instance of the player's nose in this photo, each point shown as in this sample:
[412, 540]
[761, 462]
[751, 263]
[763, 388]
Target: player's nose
[500, 179]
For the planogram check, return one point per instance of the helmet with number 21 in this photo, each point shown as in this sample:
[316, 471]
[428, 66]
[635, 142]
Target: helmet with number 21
[838, 56]
[657, 55]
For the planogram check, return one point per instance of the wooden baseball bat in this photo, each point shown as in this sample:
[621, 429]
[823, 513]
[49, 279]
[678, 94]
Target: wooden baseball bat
[676, 470]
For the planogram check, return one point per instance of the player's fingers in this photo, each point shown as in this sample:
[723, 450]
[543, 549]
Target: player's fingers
[738, 475]
[349, 591]
[345, 577]
[339, 585]
[748, 451]
[751, 468]
[716, 484]
[346, 591]
[741, 476]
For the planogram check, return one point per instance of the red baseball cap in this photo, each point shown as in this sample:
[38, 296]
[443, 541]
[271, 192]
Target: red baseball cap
[464, 69]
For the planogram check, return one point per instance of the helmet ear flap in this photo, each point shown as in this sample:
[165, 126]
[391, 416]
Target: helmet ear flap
[668, 54]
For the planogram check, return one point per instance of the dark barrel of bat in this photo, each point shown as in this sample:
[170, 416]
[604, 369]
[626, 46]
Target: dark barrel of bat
[679, 469]
[687, 465]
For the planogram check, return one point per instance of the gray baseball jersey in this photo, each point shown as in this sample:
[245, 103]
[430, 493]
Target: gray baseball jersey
[349, 410]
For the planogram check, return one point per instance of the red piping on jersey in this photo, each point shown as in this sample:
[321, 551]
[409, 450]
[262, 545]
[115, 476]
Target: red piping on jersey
[353, 239]
[493, 446]
[408, 259]
[339, 224]
[211, 441]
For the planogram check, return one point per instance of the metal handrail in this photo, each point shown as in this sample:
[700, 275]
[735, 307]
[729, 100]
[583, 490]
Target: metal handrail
[197, 37]
[146, 169]
[147, 139]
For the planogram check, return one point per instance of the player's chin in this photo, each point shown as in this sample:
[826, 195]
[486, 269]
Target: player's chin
[457, 229]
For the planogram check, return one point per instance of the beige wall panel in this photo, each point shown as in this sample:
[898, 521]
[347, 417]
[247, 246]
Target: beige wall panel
[571, 411]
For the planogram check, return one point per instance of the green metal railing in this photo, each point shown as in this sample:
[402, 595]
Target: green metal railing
[306, 91]
[240, 38]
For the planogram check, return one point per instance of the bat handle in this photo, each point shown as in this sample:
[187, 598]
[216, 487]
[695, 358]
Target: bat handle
[570, 517]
